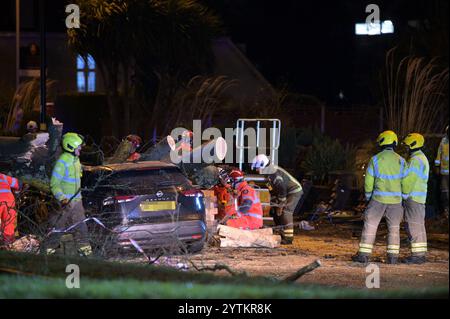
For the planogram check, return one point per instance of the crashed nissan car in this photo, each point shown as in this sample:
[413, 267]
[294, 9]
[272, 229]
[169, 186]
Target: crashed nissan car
[151, 204]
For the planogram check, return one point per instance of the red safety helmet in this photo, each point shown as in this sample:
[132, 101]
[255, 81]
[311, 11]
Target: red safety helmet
[236, 176]
[135, 140]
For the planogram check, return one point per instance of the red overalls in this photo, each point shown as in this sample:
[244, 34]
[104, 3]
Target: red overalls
[249, 214]
[7, 207]
[224, 200]
[134, 157]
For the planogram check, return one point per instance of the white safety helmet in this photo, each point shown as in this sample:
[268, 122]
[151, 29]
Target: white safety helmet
[260, 161]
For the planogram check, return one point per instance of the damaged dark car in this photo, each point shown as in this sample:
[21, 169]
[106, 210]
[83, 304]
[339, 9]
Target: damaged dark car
[151, 205]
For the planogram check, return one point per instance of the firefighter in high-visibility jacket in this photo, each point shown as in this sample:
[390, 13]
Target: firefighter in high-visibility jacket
[442, 168]
[8, 213]
[247, 213]
[65, 185]
[383, 190]
[285, 193]
[414, 188]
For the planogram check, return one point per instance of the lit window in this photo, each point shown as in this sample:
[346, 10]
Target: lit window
[85, 73]
[374, 28]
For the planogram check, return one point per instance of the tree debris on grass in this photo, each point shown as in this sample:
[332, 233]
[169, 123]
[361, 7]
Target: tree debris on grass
[302, 271]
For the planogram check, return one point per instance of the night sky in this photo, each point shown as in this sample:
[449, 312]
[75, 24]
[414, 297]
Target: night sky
[307, 46]
[310, 46]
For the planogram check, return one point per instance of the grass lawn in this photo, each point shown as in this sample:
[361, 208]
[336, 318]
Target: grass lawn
[35, 276]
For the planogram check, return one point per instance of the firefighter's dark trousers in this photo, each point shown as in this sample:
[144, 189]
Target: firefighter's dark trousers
[286, 219]
[444, 192]
[393, 213]
[415, 217]
[72, 214]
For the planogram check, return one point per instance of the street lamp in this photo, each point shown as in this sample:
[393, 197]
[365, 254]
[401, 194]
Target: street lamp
[43, 75]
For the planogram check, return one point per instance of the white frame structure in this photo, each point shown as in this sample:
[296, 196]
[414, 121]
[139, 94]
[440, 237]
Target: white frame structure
[274, 144]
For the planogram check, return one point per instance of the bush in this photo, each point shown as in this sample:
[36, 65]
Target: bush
[327, 155]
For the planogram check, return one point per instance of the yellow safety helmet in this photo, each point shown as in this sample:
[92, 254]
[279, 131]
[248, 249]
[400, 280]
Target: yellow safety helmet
[387, 138]
[71, 141]
[414, 141]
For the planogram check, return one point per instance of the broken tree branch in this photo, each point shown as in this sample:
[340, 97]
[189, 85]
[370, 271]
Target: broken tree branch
[217, 267]
[304, 270]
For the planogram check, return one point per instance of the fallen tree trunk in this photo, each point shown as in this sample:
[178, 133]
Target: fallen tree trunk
[198, 165]
[30, 158]
[160, 150]
[121, 154]
[235, 233]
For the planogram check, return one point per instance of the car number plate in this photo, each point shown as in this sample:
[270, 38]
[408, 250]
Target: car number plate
[157, 206]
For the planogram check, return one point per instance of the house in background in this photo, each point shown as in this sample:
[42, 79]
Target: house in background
[78, 76]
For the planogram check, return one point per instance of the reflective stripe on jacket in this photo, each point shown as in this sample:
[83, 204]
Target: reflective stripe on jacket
[383, 181]
[415, 182]
[283, 183]
[7, 184]
[66, 177]
[442, 156]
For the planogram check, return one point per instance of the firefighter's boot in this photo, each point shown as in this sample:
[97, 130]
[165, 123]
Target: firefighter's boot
[392, 259]
[416, 260]
[361, 258]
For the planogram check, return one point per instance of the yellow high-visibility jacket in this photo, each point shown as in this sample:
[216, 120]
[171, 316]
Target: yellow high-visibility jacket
[383, 180]
[415, 182]
[66, 178]
[442, 156]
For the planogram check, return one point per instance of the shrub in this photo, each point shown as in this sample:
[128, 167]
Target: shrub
[327, 155]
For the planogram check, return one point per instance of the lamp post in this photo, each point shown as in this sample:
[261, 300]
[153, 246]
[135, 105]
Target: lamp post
[17, 43]
[43, 75]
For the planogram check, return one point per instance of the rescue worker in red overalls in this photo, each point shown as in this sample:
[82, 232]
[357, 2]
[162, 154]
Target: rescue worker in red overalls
[248, 212]
[223, 191]
[8, 213]
[136, 142]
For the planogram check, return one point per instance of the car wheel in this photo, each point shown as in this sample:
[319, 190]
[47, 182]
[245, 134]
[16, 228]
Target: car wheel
[196, 247]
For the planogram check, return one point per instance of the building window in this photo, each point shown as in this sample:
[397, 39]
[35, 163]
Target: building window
[85, 73]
